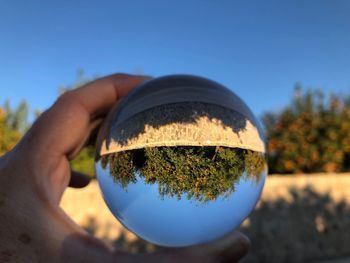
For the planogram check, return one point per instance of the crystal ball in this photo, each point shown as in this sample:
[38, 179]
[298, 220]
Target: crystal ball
[181, 161]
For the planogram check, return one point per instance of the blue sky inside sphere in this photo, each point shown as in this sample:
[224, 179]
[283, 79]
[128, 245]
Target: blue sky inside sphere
[171, 222]
[259, 49]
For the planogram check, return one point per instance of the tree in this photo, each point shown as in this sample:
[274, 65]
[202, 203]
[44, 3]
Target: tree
[17, 119]
[312, 134]
[84, 161]
[14, 123]
[8, 136]
[202, 173]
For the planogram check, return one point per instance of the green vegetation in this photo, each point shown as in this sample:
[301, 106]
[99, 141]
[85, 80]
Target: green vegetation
[202, 173]
[84, 161]
[14, 123]
[312, 134]
[8, 135]
[16, 119]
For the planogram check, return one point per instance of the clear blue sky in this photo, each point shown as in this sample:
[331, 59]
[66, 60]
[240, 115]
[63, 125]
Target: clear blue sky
[259, 49]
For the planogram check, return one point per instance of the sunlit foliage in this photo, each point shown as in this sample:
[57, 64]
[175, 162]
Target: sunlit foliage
[312, 134]
[8, 135]
[201, 173]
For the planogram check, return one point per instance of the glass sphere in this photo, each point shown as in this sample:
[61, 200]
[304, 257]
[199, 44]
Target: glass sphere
[181, 161]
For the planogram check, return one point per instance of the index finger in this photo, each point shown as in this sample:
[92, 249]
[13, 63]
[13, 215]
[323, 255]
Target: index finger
[103, 93]
[65, 125]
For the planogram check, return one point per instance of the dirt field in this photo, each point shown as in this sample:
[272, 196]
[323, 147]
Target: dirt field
[302, 218]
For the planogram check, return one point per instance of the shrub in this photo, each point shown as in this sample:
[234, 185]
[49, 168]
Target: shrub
[310, 135]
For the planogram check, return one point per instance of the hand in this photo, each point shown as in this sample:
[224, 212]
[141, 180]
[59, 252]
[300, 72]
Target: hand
[34, 175]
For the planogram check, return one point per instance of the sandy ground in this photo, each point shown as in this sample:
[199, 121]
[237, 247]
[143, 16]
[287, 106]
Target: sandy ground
[300, 218]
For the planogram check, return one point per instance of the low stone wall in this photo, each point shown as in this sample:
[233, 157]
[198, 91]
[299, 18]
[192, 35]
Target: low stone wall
[336, 185]
[300, 218]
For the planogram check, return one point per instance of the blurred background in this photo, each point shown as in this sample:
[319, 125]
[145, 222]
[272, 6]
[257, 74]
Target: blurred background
[288, 60]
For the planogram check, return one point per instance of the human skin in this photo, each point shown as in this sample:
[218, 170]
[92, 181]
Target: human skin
[35, 174]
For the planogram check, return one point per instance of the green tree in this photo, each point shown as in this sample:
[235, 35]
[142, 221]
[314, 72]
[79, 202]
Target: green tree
[312, 134]
[84, 161]
[202, 173]
[14, 123]
[17, 119]
[8, 136]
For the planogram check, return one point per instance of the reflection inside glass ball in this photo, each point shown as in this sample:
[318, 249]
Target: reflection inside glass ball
[178, 196]
[181, 161]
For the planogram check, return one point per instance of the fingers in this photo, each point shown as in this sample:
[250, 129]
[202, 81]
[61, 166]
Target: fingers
[230, 248]
[78, 180]
[66, 125]
[89, 138]
[101, 94]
